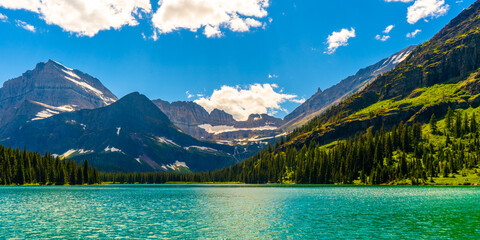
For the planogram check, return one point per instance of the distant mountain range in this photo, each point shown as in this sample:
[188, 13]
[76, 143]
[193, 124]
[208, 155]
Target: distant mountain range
[71, 114]
[218, 125]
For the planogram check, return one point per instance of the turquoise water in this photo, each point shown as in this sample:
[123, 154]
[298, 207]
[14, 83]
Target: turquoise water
[239, 212]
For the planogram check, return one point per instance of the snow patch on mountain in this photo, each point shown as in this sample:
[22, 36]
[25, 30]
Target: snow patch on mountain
[51, 111]
[113, 149]
[71, 74]
[78, 151]
[167, 141]
[224, 128]
[118, 131]
[202, 148]
[393, 60]
[95, 91]
[62, 65]
[175, 166]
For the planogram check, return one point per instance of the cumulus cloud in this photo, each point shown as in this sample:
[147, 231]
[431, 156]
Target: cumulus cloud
[338, 39]
[211, 15]
[242, 102]
[84, 17]
[423, 9]
[414, 33]
[25, 26]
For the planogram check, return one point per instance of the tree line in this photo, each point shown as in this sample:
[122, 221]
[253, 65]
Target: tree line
[372, 157]
[23, 167]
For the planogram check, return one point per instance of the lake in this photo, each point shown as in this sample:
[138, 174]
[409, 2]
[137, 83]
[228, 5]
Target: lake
[239, 212]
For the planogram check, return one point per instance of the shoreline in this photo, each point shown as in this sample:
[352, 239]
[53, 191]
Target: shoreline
[236, 184]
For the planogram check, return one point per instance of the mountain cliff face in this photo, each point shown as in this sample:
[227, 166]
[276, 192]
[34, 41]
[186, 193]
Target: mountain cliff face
[54, 85]
[131, 134]
[441, 73]
[322, 100]
[217, 125]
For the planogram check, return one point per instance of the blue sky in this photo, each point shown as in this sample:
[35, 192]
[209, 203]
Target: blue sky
[286, 40]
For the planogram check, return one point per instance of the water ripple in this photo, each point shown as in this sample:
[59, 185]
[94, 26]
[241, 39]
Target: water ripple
[186, 212]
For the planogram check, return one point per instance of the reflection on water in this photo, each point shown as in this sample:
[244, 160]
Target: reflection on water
[192, 211]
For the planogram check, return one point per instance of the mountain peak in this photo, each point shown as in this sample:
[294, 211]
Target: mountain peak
[53, 84]
[138, 104]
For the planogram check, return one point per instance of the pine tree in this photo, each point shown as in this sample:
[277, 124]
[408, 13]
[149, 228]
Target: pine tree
[473, 123]
[433, 123]
[448, 119]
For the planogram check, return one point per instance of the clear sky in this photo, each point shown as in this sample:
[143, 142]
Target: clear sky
[190, 48]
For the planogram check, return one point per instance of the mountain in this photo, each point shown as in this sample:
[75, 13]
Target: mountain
[55, 86]
[222, 127]
[416, 124]
[219, 125]
[130, 135]
[322, 100]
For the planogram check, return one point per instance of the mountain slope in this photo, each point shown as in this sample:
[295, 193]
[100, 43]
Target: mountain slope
[437, 74]
[322, 100]
[131, 134]
[55, 85]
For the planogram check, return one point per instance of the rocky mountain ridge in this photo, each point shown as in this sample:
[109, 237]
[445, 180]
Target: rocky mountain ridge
[323, 100]
[217, 125]
[54, 85]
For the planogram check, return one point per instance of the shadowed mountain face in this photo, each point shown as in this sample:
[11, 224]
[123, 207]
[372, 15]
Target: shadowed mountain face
[322, 100]
[131, 134]
[54, 85]
[217, 125]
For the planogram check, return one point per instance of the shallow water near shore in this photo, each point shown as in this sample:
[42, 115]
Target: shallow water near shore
[239, 212]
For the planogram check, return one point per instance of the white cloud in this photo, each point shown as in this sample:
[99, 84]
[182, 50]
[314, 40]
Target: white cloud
[300, 101]
[84, 17]
[388, 29]
[385, 37]
[272, 76]
[189, 95]
[3, 18]
[414, 33]
[382, 38]
[423, 9]
[25, 26]
[338, 39]
[241, 103]
[211, 15]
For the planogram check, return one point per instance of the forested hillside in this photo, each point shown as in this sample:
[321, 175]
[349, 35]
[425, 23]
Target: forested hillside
[22, 167]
